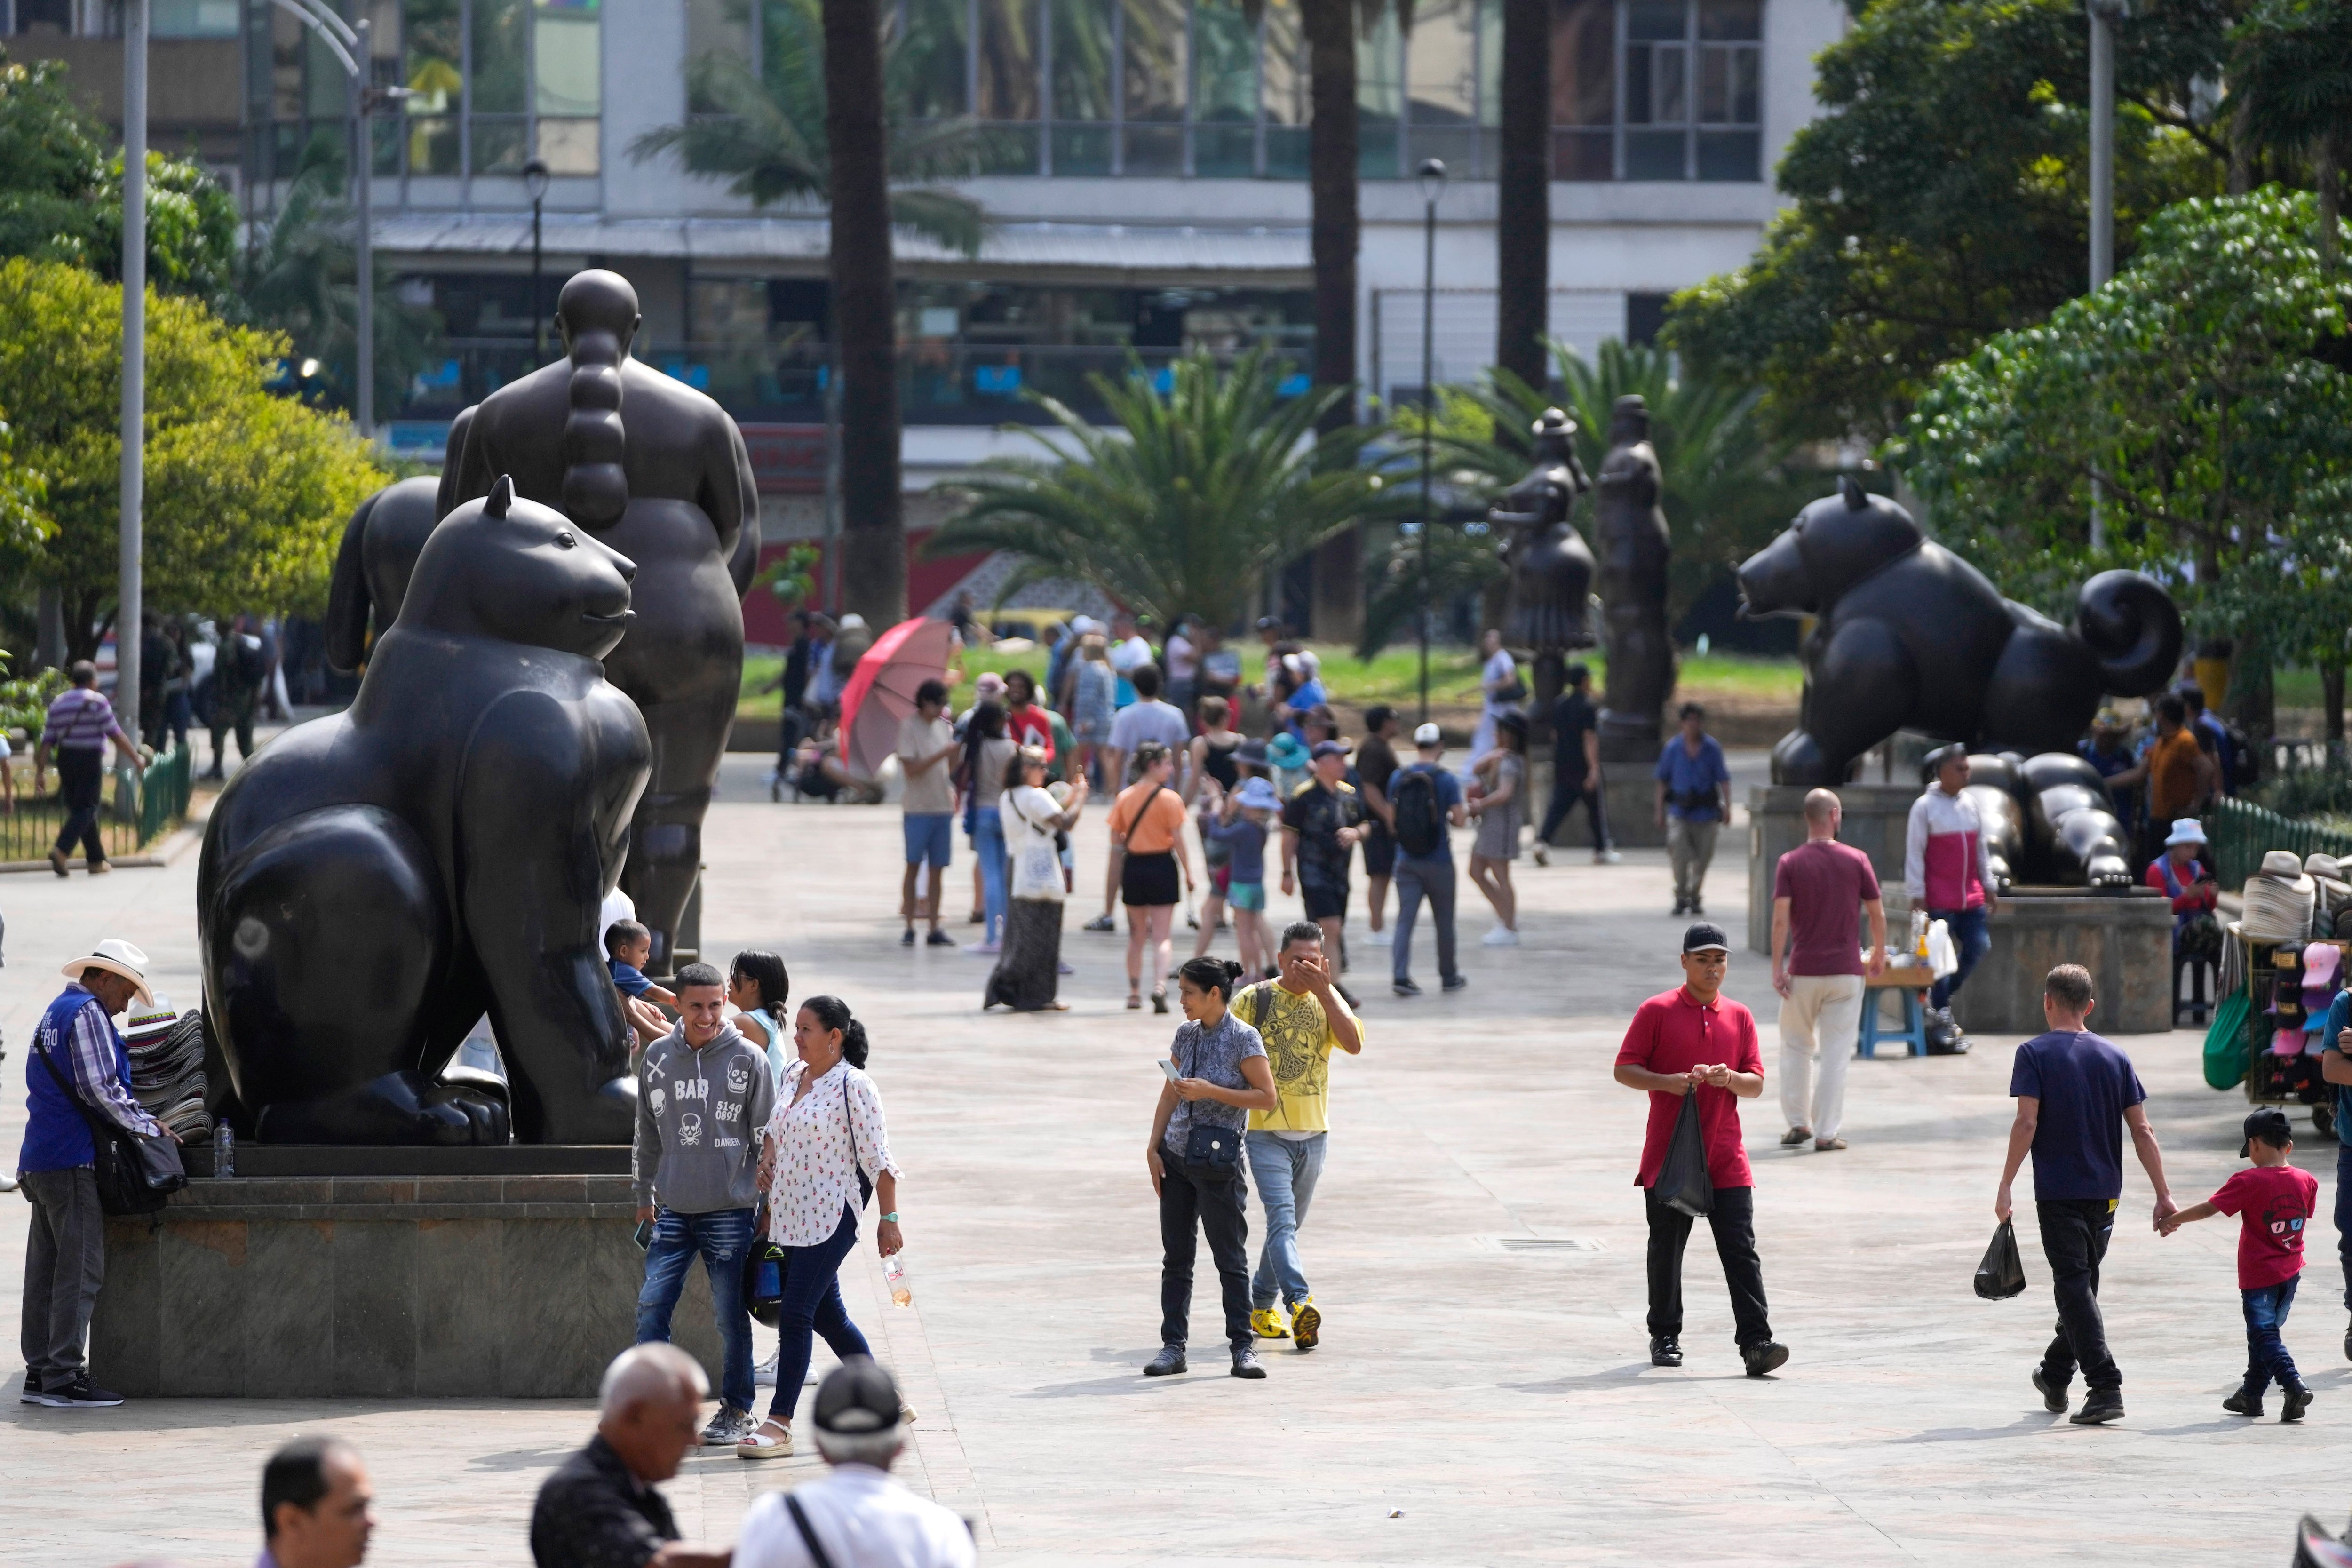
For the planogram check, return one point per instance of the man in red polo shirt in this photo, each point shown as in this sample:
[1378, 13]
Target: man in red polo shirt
[1696, 1041]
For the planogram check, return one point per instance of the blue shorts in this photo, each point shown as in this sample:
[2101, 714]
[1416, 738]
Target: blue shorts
[930, 834]
[1245, 894]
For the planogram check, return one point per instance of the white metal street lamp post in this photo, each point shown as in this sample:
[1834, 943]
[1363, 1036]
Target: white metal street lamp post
[130, 612]
[1431, 179]
[2104, 14]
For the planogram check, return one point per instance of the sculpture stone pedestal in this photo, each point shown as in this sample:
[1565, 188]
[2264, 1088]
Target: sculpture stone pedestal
[460, 1286]
[2124, 938]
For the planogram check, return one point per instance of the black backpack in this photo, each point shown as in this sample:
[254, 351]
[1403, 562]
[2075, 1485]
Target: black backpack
[1420, 826]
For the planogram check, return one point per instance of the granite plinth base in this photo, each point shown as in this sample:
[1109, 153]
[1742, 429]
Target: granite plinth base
[435, 1287]
[2124, 936]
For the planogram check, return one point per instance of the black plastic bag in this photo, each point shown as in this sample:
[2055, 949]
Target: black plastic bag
[1683, 1182]
[2002, 1273]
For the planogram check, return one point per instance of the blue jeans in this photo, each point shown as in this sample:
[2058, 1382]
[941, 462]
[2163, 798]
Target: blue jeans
[988, 843]
[1971, 941]
[1419, 877]
[2266, 1357]
[722, 1237]
[811, 1303]
[1285, 1170]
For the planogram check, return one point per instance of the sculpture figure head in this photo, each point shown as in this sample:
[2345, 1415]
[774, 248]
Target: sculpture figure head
[598, 314]
[512, 568]
[1555, 437]
[1833, 543]
[1629, 420]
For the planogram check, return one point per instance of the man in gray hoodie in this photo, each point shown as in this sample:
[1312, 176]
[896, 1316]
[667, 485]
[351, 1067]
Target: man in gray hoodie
[703, 1096]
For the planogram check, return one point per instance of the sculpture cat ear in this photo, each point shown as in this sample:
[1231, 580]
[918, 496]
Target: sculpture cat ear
[500, 498]
[1856, 498]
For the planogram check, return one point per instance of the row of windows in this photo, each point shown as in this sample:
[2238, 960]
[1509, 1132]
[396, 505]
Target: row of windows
[1642, 90]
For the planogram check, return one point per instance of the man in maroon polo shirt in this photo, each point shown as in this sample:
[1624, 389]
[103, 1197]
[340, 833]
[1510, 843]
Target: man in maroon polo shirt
[1696, 1041]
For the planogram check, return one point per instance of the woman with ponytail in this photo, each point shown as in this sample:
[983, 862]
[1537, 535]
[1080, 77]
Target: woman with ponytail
[824, 1140]
[659, 472]
[1217, 1075]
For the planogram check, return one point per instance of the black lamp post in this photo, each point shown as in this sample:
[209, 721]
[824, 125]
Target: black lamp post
[1432, 178]
[534, 181]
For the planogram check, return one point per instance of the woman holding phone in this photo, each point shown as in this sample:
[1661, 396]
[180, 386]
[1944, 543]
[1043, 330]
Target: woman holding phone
[1216, 1074]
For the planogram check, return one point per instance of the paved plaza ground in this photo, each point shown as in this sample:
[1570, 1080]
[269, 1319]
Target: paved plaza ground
[1480, 1397]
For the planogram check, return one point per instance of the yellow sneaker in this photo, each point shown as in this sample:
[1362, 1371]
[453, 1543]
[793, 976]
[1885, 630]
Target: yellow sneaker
[1306, 1324]
[1267, 1324]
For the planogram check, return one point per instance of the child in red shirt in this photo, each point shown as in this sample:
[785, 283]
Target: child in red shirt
[2272, 1201]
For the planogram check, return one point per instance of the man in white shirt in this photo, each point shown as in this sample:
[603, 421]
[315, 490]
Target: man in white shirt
[1128, 653]
[857, 1516]
[1498, 673]
[926, 742]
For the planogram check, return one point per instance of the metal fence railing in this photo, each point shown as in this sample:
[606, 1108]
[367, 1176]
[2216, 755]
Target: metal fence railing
[2243, 833]
[156, 803]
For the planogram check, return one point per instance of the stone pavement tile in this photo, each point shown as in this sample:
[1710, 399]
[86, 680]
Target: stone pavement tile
[1500, 1401]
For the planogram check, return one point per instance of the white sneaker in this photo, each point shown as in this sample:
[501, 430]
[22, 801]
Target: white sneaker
[1381, 938]
[983, 949]
[1606, 857]
[1500, 936]
[729, 1428]
[764, 1375]
[1542, 853]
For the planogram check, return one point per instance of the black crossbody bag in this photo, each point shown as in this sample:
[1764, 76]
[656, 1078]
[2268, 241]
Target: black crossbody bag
[136, 1174]
[1212, 1154]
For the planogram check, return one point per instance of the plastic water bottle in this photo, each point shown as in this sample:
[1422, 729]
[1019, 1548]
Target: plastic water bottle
[894, 1274]
[1919, 933]
[224, 1149]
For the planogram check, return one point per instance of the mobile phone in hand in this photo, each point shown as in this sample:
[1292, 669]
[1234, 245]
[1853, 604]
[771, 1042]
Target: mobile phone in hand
[644, 1237]
[1168, 1069]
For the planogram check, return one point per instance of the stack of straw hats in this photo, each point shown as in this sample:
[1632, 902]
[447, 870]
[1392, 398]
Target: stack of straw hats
[2278, 899]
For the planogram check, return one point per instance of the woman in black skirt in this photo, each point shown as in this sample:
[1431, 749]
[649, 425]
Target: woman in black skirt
[1028, 971]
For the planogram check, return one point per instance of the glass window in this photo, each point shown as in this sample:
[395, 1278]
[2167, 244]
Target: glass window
[501, 58]
[716, 31]
[1379, 100]
[326, 87]
[1153, 56]
[193, 19]
[567, 67]
[1224, 90]
[1084, 51]
[1007, 60]
[1626, 107]
[432, 68]
[1442, 84]
[927, 60]
[1282, 89]
[569, 146]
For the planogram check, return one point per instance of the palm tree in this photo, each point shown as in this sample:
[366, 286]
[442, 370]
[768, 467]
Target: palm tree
[1331, 26]
[1183, 502]
[301, 279]
[1523, 192]
[824, 59]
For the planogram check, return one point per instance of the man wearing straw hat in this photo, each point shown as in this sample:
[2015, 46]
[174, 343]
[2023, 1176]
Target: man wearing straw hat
[79, 1065]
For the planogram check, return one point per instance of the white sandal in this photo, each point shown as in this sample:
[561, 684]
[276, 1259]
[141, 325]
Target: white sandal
[761, 1445]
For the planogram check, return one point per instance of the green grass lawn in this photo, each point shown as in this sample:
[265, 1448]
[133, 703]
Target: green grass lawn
[1392, 676]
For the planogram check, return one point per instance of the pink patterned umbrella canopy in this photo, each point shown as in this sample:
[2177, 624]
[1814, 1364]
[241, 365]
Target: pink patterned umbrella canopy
[881, 691]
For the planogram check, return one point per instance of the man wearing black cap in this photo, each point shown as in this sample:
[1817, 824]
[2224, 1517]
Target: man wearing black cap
[2076, 1094]
[856, 1517]
[1320, 826]
[1696, 1041]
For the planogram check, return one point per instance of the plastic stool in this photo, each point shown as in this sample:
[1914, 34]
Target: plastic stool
[1912, 1033]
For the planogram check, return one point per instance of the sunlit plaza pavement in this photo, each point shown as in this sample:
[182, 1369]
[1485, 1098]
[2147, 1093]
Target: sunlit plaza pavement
[1483, 1392]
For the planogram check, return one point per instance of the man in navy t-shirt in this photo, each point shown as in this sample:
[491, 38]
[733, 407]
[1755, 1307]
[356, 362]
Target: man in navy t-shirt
[2076, 1094]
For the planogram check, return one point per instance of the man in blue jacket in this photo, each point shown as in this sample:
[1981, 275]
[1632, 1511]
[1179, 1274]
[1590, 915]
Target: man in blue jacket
[78, 1068]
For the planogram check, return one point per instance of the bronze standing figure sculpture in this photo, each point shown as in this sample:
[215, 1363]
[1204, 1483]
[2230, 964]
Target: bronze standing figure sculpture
[1635, 545]
[659, 472]
[1551, 569]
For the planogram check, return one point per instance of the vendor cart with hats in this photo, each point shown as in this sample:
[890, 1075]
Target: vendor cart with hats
[2282, 966]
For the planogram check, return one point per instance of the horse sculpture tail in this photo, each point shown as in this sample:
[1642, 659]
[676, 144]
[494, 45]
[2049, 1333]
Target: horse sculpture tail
[2131, 622]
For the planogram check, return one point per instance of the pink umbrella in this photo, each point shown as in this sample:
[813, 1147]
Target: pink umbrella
[881, 691]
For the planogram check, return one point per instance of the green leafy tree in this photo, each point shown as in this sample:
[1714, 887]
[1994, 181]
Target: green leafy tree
[2292, 79]
[2200, 389]
[61, 194]
[300, 278]
[246, 492]
[1941, 197]
[1729, 485]
[1183, 502]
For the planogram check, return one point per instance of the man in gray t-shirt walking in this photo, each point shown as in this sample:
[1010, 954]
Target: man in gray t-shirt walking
[703, 1096]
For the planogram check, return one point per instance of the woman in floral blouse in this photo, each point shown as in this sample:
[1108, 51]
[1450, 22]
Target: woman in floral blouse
[826, 1128]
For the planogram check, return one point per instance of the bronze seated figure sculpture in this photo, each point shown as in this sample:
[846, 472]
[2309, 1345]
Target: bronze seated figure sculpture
[375, 881]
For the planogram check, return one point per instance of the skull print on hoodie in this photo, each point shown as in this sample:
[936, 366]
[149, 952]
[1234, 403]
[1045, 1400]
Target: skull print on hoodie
[698, 1118]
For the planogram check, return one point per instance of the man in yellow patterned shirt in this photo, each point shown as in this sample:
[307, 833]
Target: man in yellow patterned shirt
[1301, 1016]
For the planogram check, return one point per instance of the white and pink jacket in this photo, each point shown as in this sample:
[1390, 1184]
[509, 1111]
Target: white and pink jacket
[1945, 862]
